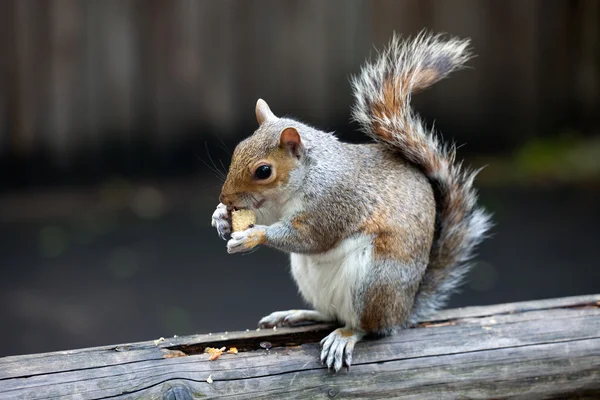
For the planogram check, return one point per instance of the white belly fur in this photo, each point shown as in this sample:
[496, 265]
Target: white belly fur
[328, 280]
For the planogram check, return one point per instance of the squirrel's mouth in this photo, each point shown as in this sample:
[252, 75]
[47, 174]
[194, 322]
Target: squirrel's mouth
[249, 204]
[259, 203]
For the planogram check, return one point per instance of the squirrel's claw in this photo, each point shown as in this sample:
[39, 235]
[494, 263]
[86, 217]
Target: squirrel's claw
[246, 240]
[292, 318]
[338, 347]
[221, 219]
[277, 318]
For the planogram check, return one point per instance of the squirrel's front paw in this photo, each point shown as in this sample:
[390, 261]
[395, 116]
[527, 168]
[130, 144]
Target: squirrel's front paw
[246, 240]
[221, 219]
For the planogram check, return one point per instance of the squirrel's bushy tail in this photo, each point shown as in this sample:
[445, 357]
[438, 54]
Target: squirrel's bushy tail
[383, 90]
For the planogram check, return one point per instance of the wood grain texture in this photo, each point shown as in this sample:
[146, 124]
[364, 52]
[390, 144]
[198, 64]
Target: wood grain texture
[539, 349]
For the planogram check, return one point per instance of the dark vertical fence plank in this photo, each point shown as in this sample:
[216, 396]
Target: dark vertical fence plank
[80, 73]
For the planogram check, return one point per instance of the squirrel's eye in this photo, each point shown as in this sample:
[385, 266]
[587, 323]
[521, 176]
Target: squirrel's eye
[263, 172]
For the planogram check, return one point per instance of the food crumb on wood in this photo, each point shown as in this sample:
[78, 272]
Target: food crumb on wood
[214, 352]
[157, 341]
[232, 350]
[174, 354]
[209, 379]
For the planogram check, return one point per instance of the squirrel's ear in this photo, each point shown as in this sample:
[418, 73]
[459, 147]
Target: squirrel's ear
[263, 112]
[290, 139]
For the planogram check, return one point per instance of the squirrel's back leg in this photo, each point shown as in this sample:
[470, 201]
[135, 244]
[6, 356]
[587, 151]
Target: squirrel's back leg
[385, 300]
[400, 257]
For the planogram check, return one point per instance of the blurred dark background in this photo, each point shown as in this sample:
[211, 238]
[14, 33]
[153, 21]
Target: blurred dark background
[114, 113]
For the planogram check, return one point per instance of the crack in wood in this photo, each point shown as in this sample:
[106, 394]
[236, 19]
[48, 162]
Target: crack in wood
[291, 339]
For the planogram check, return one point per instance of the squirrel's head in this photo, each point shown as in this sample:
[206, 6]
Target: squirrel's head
[267, 167]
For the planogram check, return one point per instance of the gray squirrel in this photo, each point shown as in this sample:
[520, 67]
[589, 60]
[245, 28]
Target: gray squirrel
[379, 234]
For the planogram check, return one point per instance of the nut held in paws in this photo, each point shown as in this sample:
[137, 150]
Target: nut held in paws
[242, 219]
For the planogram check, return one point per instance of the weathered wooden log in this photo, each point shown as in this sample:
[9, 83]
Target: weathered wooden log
[537, 349]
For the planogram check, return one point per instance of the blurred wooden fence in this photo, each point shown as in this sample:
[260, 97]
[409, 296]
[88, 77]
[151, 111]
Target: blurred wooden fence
[77, 73]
